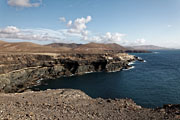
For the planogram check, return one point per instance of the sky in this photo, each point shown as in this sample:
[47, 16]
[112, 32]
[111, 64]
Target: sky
[126, 22]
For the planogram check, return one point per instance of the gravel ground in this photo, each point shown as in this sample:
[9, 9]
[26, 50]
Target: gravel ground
[68, 104]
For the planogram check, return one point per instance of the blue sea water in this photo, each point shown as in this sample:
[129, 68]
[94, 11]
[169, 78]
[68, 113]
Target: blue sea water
[149, 84]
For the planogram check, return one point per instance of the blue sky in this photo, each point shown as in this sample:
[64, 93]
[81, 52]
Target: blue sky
[127, 22]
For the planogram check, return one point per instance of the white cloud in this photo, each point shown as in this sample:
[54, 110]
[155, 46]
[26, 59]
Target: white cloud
[88, 19]
[140, 41]
[78, 26]
[12, 32]
[69, 23]
[9, 30]
[23, 3]
[108, 38]
[62, 19]
[76, 32]
[97, 39]
[114, 37]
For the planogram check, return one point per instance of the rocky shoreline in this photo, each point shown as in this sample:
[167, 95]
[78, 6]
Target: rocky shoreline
[18, 72]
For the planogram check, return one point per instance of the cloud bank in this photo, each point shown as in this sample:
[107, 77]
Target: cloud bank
[140, 41]
[78, 27]
[9, 30]
[23, 3]
[108, 38]
[76, 31]
[12, 32]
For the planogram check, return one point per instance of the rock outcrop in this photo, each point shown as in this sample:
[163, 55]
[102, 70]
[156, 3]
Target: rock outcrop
[20, 71]
[75, 105]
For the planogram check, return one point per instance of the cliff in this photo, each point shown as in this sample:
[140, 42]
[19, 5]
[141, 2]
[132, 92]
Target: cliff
[20, 71]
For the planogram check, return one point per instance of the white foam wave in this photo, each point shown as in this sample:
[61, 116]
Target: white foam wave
[113, 71]
[71, 75]
[39, 81]
[155, 52]
[88, 72]
[132, 67]
[131, 63]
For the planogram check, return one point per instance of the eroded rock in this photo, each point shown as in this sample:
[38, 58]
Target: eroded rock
[66, 104]
[20, 71]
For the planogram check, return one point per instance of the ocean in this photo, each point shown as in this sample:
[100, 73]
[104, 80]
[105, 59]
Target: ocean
[150, 84]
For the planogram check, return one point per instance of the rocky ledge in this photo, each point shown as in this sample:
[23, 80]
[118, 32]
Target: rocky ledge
[21, 71]
[75, 105]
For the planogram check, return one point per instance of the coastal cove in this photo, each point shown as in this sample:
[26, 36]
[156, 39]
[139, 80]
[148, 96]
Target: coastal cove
[89, 60]
[150, 84]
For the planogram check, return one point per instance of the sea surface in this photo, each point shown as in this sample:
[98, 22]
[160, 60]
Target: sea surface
[150, 84]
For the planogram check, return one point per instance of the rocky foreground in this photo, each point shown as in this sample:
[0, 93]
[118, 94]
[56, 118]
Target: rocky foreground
[20, 71]
[75, 105]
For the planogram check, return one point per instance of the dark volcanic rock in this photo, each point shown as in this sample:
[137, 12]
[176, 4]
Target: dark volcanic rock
[137, 51]
[19, 71]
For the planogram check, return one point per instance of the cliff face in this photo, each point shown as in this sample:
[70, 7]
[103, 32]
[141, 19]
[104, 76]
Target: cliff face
[19, 71]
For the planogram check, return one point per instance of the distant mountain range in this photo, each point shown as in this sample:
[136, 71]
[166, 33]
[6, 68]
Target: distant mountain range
[148, 47]
[95, 47]
[72, 47]
[27, 47]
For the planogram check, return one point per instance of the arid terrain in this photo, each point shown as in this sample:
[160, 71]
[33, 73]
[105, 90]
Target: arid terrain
[22, 65]
[73, 104]
[21, 70]
[29, 47]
